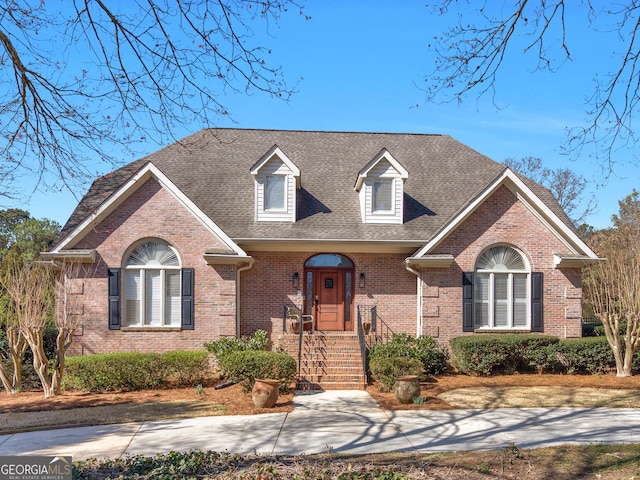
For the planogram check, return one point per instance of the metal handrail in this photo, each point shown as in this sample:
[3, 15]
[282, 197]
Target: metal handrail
[295, 313]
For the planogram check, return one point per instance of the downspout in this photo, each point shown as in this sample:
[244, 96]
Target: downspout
[407, 264]
[242, 268]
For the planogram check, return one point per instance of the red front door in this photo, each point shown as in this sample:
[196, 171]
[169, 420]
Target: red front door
[329, 298]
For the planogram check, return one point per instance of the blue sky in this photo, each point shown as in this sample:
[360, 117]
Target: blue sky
[362, 65]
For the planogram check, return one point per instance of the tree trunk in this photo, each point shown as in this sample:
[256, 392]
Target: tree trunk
[17, 348]
[40, 360]
[6, 382]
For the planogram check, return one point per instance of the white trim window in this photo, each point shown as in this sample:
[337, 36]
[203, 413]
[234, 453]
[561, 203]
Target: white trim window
[501, 290]
[152, 296]
[382, 195]
[275, 196]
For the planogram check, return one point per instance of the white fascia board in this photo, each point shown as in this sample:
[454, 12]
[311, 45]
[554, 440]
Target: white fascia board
[384, 153]
[222, 259]
[276, 151]
[530, 200]
[430, 261]
[136, 181]
[575, 261]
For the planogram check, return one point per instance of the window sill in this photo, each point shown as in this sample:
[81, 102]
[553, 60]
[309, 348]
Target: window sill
[150, 329]
[502, 330]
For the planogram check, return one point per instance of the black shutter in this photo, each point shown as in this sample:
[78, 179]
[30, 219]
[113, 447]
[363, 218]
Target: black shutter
[187, 298]
[114, 298]
[467, 301]
[536, 302]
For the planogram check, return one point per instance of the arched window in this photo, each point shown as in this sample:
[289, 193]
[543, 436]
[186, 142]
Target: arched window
[152, 286]
[501, 290]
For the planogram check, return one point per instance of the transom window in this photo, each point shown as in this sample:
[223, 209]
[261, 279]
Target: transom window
[274, 192]
[152, 286]
[383, 195]
[501, 290]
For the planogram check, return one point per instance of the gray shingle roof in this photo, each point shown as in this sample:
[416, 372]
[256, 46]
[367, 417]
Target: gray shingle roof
[212, 167]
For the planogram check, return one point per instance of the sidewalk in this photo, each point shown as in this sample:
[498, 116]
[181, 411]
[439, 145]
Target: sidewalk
[339, 422]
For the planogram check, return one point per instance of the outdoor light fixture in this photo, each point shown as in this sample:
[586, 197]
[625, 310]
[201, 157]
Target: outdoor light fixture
[361, 279]
[295, 279]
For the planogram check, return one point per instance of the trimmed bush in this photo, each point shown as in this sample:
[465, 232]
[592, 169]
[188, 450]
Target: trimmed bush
[186, 368]
[589, 354]
[219, 348]
[134, 371]
[487, 353]
[385, 370]
[425, 349]
[247, 365]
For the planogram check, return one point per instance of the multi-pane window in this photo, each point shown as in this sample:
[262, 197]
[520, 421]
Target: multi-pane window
[152, 286]
[274, 192]
[501, 290]
[383, 195]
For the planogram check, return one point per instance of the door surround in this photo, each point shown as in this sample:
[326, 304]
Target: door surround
[328, 291]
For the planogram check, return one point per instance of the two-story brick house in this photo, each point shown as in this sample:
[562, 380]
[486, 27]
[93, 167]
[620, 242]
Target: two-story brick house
[214, 235]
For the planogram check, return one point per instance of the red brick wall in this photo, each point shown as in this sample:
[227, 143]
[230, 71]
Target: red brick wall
[267, 287]
[151, 212]
[501, 219]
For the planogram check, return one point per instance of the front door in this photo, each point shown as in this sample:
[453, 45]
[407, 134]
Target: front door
[329, 298]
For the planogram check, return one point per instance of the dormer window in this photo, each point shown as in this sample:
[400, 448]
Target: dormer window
[382, 195]
[274, 192]
[276, 181]
[381, 187]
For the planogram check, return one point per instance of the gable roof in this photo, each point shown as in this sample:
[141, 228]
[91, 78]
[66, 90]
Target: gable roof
[382, 155]
[212, 169]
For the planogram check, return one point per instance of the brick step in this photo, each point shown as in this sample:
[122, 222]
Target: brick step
[328, 361]
[310, 386]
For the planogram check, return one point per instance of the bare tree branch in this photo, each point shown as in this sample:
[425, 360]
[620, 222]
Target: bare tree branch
[79, 78]
[473, 54]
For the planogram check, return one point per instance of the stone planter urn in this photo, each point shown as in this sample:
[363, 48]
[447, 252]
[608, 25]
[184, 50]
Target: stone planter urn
[295, 326]
[265, 392]
[406, 388]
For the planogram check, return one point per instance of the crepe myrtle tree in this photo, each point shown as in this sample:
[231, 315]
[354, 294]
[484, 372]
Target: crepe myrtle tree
[31, 288]
[16, 343]
[80, 77]
[612, 287]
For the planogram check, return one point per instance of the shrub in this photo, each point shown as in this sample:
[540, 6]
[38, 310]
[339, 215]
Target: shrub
[425, 349]
[187, 367]
[589, 354]
[484, 354]
[385, 370]
[219, 348]
[247, 365]
[134, 371]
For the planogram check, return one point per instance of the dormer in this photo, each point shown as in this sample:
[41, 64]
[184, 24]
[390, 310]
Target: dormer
[276, 180]
[381, 187]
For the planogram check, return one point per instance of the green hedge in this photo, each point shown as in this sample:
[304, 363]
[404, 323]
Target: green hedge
[247, 365]
[223, 346]
[434, 359]
[135, 371]
[385, 370]
[489, 353]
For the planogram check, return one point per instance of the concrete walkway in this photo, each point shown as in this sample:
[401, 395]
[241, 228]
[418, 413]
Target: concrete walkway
[339, 422]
